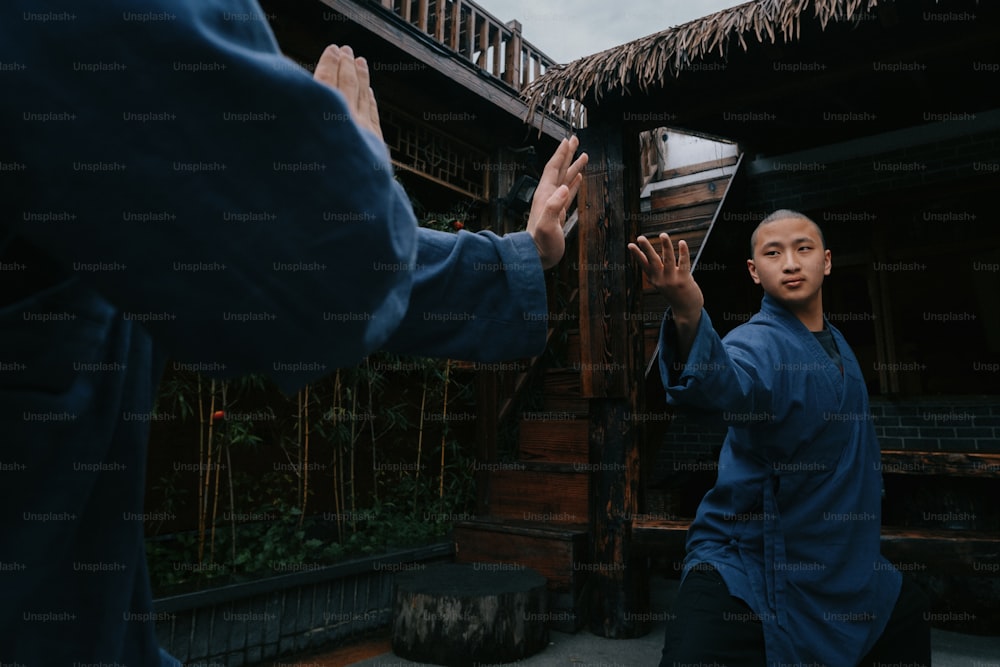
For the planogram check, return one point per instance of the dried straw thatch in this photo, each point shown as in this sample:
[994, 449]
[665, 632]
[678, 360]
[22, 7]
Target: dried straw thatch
[649, 61]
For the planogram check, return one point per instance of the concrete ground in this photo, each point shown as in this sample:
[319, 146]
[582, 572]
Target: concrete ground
[950, 649]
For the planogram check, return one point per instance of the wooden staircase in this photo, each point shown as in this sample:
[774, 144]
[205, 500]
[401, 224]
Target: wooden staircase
[685, 206]
[534, 511]
[538, 505]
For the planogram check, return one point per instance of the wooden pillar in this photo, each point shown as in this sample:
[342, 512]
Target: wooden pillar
[610, 372]
[512, 58]
[454, 38]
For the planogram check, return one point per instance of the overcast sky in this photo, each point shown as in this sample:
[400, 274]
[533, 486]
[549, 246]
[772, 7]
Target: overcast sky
[565, 31]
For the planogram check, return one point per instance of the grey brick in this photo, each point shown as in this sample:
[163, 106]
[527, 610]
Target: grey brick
[958, 444]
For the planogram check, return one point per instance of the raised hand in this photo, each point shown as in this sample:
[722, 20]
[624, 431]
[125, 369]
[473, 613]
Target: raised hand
[557, 187]
[339, 69]
[672, 277]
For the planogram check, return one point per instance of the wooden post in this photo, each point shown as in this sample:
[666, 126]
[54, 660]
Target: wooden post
[484, 42]
[611, 367]
[440, 16]
[470, 33]
[497, 49]
[422, 16]
[512, 66]
[454, 39]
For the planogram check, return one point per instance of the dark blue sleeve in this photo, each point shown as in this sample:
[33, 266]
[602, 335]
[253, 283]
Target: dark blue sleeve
[209, 188]
[717, 375]
[477, 297]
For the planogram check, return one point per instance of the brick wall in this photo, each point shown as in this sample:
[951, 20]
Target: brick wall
[934, 423]
[960, 424]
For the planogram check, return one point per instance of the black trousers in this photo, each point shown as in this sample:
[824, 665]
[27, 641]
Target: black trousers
[708, 626]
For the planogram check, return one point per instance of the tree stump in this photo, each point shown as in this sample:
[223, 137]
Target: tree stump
[461, 615]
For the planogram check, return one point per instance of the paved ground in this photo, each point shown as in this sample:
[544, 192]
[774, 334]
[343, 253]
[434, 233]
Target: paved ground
[586, 650]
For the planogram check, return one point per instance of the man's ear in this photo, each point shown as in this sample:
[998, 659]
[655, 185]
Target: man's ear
[828, 264]
[752, 268]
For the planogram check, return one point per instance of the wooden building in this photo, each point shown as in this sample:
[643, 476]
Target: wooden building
[881, 121]
[447, 75]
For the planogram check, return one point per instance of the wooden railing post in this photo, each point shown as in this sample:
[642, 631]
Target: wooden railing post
[512, 66]
[502, 50]
[484, 42]
[497, 47]
[422, 15]
[611, 353]
[454, 39]
[440, 16]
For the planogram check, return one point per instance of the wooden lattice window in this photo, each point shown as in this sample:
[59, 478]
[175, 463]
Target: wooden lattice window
[422, 148]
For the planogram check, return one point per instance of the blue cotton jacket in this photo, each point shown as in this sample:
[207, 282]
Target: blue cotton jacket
[185, 191]
[793, 521]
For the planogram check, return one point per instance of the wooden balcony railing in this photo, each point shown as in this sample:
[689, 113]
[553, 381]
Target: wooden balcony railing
[481, 38]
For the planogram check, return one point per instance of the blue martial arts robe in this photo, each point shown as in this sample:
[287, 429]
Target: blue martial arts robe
[177, 188]
[793, 521]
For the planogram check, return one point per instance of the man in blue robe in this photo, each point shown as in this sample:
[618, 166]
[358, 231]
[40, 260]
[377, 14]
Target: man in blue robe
[173, 186]
[783, 564]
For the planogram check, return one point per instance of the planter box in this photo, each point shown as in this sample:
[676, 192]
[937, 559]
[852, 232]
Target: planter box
[242, 624]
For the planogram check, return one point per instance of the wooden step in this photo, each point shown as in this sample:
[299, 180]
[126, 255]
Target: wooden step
[701, 166]
[555, 437]
[548, 493]
[559, 553]
[562, 391]
[660, 533]
[702, 223]
[657, 220]
[946, 551]
[911, 549]
[958, 464]
[689, 195]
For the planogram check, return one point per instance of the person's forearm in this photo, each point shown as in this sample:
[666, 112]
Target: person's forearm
[476, 297]
[255, 224]
[686, 325]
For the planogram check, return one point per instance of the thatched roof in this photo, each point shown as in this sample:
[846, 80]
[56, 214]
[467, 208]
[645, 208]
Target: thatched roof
[648, 62]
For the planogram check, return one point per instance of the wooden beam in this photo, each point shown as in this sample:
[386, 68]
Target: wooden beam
[611, 344]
